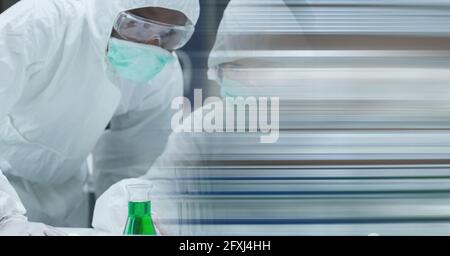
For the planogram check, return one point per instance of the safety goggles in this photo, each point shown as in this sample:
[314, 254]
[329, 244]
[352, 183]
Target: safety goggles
[142, 30]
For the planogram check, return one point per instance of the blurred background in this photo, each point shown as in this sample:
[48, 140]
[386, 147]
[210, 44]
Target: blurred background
[364, 88]
[5, 4]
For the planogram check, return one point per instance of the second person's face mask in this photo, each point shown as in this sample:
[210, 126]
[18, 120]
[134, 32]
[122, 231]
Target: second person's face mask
[136, 62]
[233, 88]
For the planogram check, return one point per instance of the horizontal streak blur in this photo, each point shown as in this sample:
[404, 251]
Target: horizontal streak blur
[364, 145]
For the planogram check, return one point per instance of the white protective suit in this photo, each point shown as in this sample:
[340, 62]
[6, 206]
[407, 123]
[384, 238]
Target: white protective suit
[56, 99]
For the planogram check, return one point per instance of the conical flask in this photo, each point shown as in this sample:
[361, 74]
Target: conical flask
[139, 220]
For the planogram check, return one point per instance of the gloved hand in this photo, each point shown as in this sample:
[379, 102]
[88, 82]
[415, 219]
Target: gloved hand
[111, 209]
[20, 226]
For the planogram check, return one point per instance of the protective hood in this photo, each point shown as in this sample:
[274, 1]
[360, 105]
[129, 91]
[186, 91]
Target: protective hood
[102, 14]
[250, 27]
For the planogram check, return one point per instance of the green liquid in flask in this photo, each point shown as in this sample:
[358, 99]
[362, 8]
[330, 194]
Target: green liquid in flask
[139, 219]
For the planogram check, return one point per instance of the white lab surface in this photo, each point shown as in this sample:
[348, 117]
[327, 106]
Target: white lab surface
[20, 226]
[56, 99]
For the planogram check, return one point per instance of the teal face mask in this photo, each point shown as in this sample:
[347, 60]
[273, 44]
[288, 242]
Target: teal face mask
[229, 88]
[136, 62]
[232, 89]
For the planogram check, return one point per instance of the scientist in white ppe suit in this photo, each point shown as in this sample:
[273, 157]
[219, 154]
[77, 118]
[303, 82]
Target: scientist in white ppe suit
[242, 43]
[80, 77]
[187, 154]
